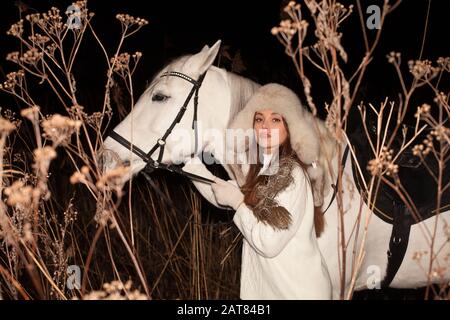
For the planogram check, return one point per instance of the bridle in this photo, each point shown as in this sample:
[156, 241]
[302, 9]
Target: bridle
[151, 164]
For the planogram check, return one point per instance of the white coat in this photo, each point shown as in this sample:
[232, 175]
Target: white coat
[279, 264]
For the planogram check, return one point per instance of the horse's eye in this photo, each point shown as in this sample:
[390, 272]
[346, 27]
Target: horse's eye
[159, 97]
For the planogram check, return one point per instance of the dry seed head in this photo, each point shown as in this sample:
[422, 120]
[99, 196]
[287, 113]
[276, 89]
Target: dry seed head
[116, 290]
[439, 272]
[6, 126]
[291, 6]
[32, 56]
[33, 18]
[113, 179]
[383, 163]
[80, 176]
[422, 69]
[59, 128]
[440, 132]
[444, 63]
[12, 79]
[16, 30]
[43, 157]
[13, 56]
[394, 57]
[441, 99]
[19, 194]
[419, 254]
[121, 63]
[27, 233]
[424, 109]
[51, 48]
[39, 39]
[77, 177]
[31, 113]
[137, 55]
[128, 20]
[417, 149]
[421, 150]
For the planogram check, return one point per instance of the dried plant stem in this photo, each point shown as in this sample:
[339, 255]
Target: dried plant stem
[16, 284]
[44, 271]
[158, 279]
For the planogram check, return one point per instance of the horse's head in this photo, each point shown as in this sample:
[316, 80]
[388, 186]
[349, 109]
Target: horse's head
[158, 116]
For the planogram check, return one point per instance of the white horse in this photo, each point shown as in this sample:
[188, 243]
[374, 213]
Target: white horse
[221, 95]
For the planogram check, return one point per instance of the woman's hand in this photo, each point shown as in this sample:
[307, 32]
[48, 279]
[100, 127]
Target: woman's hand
[195, 165]
[227, 194]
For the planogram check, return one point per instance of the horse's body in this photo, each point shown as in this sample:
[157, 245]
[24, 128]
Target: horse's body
[221, 95]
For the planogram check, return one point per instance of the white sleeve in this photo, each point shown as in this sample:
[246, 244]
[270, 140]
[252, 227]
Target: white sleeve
[196, 166]
[267, 241]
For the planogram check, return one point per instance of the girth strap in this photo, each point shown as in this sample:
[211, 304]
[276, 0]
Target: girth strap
[398, 243]
[334, 186]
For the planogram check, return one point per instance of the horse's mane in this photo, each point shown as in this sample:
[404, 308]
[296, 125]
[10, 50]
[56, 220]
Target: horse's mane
[241, 91]
[328, 148]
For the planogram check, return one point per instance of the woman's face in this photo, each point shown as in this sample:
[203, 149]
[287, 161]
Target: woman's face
[270, 129]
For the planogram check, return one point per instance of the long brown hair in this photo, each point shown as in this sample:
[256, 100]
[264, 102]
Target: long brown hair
[252, 179]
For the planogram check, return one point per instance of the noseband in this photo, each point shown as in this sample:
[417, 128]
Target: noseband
[151, 164]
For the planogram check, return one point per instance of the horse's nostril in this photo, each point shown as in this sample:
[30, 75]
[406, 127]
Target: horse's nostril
[126, 163]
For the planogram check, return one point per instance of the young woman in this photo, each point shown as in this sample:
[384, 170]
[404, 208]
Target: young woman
[275, 209]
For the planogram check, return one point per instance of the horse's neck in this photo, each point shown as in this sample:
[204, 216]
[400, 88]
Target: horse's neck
[239, 91]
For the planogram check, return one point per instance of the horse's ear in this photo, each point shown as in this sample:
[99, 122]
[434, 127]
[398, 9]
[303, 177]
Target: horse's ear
[201, 61]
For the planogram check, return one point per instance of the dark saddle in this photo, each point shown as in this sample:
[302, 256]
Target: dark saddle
[419, 185]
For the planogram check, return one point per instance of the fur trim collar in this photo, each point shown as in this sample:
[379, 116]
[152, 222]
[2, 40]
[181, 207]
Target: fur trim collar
[267, 209]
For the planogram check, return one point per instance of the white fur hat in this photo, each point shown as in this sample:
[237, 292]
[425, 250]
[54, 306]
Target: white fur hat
[303, 137]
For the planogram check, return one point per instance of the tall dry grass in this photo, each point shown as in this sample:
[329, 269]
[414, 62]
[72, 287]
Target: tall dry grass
[60, 211]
